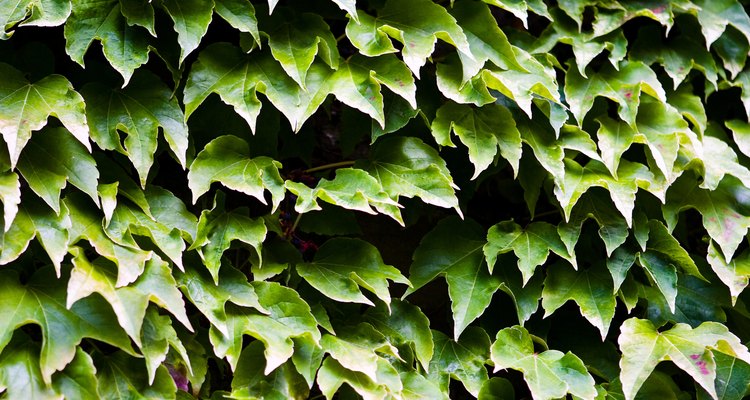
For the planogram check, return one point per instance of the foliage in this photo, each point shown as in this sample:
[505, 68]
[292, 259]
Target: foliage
[407, 199]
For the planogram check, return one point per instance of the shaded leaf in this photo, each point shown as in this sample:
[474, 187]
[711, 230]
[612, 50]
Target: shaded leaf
[191, 19]
[462, 360]
[250, 381]
[123, 376]
[405, 323]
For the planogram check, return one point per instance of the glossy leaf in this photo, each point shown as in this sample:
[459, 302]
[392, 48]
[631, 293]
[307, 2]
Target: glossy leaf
[32, 13]
[191, 19]
[463, 360]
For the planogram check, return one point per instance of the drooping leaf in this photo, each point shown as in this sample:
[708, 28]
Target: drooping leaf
[10, 194]
[454, 250]
[25, 107]
[590, 289]
[690, 349]
[463, 360]
[715, 16]
[405, 323]
[51, 159]
[734, 274]
[406, 166]
[482, 130]
[157, 338]
[550, 374]
[332, 375]
[226, 160]
[78, 379]
[217, 228]
[139, 12]
[531, 245]
[249, 380]
[237, 78]
[623, 86]
[613, 228]
[41, 301]
[295, 40]
[614, 138]
[121, 375]
[124, 46]
[352, 188]
[289, 316]
[138, 111]
[20, 376]
[240, 14]
[191, 19]
[342, 265]
[32, 13]
[417, 24]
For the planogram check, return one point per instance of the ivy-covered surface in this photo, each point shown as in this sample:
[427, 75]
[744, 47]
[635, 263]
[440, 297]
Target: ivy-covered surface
[236, 199]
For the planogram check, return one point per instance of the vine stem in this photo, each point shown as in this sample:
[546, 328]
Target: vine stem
[329, 166]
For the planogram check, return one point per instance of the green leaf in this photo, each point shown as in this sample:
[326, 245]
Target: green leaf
[226, 159]
[10, 194]
[613, 138]
[623, 86]
[20, 376]
[731, 377]
[237, 77]
[352, 188]
[531, 245]
[741, 134]
[497, 388]
[342, 265]
[249, 380]
[715, 16]
[691, 350]
[25, 107]
[454, 250]
[41, 301]
[590, 289]
[482, 130]
[129, 303]
[289, 316]
[217, 228]
[613, 229]
[332, 375]
[417, 24]
[191, 19]
[86, 224]
[487, 41]
[157, 337]
[406, 166]
[550, 374]
[661, 127]
[295, 40]
[733, 274]
[32, 13]
[78, 379]
[51, 159]
[139, 12]
[405, 323]
[123, 376]
[240, 14]
[36, 220]
[211, 298]
[722, 216]
[463, 360]
[138, 111]
[125, 47]
[520, 8]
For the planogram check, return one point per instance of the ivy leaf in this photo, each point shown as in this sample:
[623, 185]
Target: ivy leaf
[487, 41]
[405, 323]
[78, 379]
[590, 289]
[343, 265]
[139, 12]
[36, 220]
[715, 16]
[217, 228]
[454, 250]
[237, 77]
[332, 375]
[138, 111]
[129, 303]
[741, 134]
[722, 218]
[352, 188]
[124, 46]
[10, 194]
[362, 348]
[406, 166]
[157, 337]
[690, 349]
[25, 107]
[42, 301]
[249, 380]
[51, 159]
[417, 24]
[32, 13]
[521, 8]
[719, 160]
[613, 229]
[463, 360]
[191, 19]
[550, 374]
[623, 86]
[20, 376]
[531, 245]
[289, 316]
[357, 83]
[661, 127]
[211, 298]
[482, 130]
[295, 39]
[226, 159]
[734, 274]
[731, 377]
[614, 138]
[121, 375]
[240, 14]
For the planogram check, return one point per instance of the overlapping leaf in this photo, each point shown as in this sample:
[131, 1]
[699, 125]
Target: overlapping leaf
[463, 360]
[32, 13]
